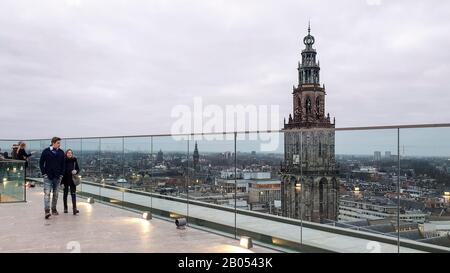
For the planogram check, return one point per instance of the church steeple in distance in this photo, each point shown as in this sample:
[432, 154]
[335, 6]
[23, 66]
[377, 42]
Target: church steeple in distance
[196, 156]
[309, 95]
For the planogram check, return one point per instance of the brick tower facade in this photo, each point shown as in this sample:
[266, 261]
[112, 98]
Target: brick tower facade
[309, 185]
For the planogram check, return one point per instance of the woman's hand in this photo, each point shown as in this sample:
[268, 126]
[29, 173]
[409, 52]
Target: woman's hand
[74, 171]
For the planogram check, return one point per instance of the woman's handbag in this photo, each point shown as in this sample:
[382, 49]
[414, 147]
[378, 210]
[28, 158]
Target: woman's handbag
[76, 178]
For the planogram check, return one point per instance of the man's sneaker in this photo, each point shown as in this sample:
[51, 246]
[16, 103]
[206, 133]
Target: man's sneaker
[47, 214]
[75, 211]
[55, 212]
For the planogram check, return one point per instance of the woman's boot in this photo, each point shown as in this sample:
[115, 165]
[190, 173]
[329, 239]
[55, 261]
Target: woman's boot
[74, 204]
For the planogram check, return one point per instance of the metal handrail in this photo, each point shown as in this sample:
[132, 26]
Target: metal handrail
[356, 128]
[11, 160]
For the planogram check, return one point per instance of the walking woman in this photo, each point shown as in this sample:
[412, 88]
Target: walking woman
[71, 168]
[21, 154]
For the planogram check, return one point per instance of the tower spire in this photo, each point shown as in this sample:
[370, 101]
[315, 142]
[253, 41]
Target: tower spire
[309, 27]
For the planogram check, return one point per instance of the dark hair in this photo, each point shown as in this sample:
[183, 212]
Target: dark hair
[67, 151]
[55, 139]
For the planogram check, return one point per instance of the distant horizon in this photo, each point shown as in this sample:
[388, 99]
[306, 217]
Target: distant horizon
[429, 142]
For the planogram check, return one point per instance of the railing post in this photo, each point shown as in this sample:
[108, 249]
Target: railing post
[99, 155]
[123, 158]
[235, 186]
[187, 182]
[398, 191]
[81, 162]
[151, 173]
[24, 182]
[302, 187]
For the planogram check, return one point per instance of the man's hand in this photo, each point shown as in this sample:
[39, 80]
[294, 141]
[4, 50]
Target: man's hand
[74, 171]
[45, 176]
[60, 178]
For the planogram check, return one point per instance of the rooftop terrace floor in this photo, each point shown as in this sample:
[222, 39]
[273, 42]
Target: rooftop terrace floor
[100, 228]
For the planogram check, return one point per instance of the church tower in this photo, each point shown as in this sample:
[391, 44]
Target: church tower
[196, 157]
[309, 186]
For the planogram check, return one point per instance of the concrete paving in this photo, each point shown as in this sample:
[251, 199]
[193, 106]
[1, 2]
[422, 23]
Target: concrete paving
[100, 228]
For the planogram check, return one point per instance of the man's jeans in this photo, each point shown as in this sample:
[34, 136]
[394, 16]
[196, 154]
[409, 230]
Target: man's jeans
[51, 185]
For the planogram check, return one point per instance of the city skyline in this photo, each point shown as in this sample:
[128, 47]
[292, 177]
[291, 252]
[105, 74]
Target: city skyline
[429, 142]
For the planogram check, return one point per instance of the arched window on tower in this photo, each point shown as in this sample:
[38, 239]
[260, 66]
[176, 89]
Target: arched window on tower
[308, 105]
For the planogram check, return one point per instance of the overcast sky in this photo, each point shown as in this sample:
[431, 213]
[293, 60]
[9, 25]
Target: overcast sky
[89, 68]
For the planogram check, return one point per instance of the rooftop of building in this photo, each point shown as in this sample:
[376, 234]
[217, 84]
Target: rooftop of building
[101, 228]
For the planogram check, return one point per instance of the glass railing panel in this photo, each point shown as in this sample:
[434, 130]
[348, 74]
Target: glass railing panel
[6, 147]
[261, 185]
[211, 181]
[137, 162]
[138, 167]
[34, 147]
[367, 176]
[63, 144]
[75, 145]
[112, 169]
[12, 181]
[89, 159]
[169, 176]
[111, 162]
[425, 185]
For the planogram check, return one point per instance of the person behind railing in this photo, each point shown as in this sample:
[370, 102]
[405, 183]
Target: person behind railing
[14, 149]
[52, 165]
[71, 169]
[23, 155]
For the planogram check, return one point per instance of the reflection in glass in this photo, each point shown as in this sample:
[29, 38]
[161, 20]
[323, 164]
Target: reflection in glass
[368, 174]
[137, 162]
[169, 173]
[262, 188]
[89, 159]
[425, 185]
[112, 162]
[12, 178]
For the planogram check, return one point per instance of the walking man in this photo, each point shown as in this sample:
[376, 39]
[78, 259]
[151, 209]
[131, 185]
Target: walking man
[52, 168]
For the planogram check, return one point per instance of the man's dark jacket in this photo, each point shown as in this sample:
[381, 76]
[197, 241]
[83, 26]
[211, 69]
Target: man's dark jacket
[52, 163]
